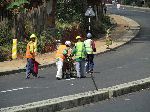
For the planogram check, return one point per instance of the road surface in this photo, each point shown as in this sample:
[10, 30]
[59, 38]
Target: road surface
[128, 63]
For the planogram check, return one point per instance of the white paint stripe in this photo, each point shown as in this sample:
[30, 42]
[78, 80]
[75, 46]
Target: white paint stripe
[9, 90]
[15, 89]
[3, 91]
[20, 88]
[27, 87]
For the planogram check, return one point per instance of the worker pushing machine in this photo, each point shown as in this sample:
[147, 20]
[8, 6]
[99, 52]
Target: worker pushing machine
[80, 55]
[61, 54]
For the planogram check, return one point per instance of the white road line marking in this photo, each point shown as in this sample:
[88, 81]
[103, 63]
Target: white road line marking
[10, 90]
[17, 89]
[3, 91]
[14, 89]
[120, 67]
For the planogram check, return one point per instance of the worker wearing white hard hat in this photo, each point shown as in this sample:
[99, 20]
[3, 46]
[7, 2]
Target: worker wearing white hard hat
[90, 49]
[62, 52]
[89, 35]
[68, 43]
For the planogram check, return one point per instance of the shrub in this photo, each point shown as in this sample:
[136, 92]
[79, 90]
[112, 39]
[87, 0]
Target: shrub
[5, 34]
[5, 52]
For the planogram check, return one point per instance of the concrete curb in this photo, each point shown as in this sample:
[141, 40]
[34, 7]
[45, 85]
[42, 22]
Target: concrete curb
[135, 7]
[66, 102]
[130, 34]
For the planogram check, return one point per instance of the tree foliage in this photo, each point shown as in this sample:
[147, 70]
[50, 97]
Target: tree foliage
[70, 10]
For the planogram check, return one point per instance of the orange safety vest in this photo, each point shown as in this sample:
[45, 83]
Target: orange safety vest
[28, 51]
[59, 53]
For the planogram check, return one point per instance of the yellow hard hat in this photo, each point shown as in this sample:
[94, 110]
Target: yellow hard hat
[33, 36]
[78, 37]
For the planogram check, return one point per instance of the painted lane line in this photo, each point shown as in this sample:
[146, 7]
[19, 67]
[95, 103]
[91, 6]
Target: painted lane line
[11, 90]
[20, 88]
[15, 89]
[3, 91]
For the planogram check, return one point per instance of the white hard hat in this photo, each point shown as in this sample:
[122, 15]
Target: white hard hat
[32, 36]
[68, 43]
[89, 35]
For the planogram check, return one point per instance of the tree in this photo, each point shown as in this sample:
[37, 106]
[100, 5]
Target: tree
[17, 7]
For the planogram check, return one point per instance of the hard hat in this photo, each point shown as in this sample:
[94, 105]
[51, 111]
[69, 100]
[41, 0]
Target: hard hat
[68, 43]
[33, 36]
[78, 37]
[89, 35]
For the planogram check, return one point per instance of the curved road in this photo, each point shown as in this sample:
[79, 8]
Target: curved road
[129, 62]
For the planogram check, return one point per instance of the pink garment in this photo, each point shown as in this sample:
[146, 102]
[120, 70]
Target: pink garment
[36, 67]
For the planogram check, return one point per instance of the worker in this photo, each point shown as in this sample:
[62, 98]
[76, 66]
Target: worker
[61, 54]
[80, 54]
[90, 49]
[30, 55]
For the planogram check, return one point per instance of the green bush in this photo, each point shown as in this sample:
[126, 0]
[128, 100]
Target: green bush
[5, 33]
[5, 52]
[148, 4]
[47, 40]
[5, 40]
[21, 48]
[99, 27]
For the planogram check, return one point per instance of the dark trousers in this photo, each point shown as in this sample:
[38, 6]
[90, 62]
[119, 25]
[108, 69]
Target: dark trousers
[89, 62]
[30, 67]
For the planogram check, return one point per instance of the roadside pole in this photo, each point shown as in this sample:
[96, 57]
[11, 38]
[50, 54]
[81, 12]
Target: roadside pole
[90, 13]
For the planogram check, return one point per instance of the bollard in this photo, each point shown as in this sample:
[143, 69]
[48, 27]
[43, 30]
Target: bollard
[14, 49]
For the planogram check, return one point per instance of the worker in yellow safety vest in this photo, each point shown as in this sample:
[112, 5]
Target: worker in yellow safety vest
[61, 53]
[90, 49]
[80, 54]
[30, 55]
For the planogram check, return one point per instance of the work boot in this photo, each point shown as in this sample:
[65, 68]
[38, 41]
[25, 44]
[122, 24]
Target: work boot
[91, 71]
[58, 78]
[27, 76]
[83, 76]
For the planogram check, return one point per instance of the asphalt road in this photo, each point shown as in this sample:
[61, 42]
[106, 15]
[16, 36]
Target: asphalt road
[135, 102]
[127, 63]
